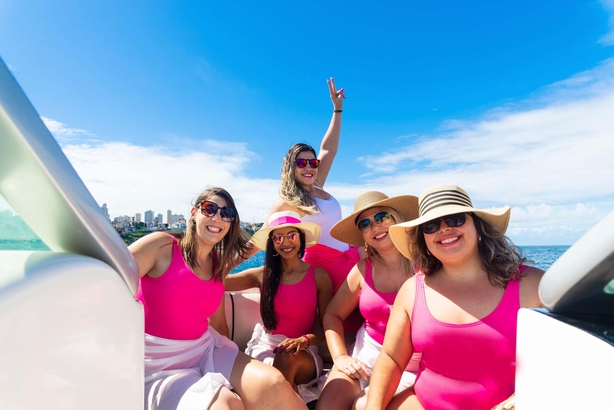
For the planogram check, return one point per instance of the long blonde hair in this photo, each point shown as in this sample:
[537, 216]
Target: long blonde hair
[290, 191]
[229, 251]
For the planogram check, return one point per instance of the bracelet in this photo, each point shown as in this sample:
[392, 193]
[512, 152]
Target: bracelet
[308, 341]
[337, 110]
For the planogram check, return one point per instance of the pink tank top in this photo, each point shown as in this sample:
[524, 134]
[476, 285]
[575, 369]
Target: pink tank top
[469, 366]
[178, 304]
[374, 306]
[296, 306]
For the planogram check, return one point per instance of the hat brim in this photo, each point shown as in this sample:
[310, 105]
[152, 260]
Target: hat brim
[346, 231]
[311, 230]
[498, 218]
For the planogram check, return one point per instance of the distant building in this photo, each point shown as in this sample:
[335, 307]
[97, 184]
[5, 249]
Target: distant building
[149, 217]
[169, 216]
[137, 218]
[159, 219]
[105, 211]
[172, 219]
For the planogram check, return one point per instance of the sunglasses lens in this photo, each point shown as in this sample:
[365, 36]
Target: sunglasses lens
[293, 236]
[454, 221]
[301, 162]
[381, 217]
[278, 238]
[430, 227]
[364, 225]
[227, 214]
[314, 163]
[209, 208]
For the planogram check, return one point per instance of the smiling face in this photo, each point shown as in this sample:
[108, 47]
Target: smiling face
[210, 229]
[377, 235]
[287, 248]
[305, 176]
[453, 245]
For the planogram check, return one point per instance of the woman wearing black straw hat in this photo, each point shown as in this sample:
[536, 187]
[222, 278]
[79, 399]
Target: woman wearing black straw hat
[461, 314]
[372, 285]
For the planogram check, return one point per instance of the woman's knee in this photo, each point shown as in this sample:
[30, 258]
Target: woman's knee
[227, 400]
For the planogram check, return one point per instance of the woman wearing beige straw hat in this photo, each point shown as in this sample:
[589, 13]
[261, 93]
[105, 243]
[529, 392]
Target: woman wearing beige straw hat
[461, 314]
[372, 285]
[293, 292]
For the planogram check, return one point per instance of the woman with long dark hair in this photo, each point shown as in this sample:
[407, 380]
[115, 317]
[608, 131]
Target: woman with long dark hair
[293, 294]
[189, 361]
[461, 314]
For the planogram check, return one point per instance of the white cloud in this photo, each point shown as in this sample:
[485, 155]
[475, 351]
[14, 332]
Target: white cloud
[608, 39]
[134, 179]
[62, 132]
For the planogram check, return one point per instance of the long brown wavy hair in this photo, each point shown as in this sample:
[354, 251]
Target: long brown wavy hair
[227, 253]
[290, 191]
[501, 259]
[271, 279]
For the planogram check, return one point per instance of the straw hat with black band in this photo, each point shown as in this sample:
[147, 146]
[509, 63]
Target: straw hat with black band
[346, 230]
[444, 200]
[287, 219]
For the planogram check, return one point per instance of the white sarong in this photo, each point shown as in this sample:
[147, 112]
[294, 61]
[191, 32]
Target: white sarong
[366, 349]
[261, 347]
[187, 374]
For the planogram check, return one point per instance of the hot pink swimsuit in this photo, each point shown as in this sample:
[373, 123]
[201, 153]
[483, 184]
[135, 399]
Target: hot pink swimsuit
[374, 306]
[469, 366]
[178, 304]
[296, 306]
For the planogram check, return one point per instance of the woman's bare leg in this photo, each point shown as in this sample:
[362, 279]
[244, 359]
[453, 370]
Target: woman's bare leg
[299, 369]
[339, 391]
[226, 400]
[261, 386]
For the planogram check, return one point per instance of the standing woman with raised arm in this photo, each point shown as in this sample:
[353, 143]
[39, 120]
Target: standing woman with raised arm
[294, 294]
[461, 314]
[188, 364]
[372, 285]
[303, 175]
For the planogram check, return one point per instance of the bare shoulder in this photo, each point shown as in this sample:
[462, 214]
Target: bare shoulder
[153, 241]
[529, 287]
[406, 295]
[322, 278]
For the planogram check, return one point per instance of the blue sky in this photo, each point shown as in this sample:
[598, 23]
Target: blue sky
[154, 101]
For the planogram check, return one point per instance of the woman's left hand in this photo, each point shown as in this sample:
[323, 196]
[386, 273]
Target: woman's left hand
[292, 345]
[337, 96]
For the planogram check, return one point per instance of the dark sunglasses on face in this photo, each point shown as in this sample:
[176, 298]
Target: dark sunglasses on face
[302, 162]
[278, 238]
[380, 218]
[453, 221]
[209, 209]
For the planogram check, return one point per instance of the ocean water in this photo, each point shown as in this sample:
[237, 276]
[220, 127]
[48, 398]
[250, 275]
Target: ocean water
[542, 256]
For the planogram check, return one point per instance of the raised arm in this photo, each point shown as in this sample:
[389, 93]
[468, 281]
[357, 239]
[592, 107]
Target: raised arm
[396, 351]
[247, 279]
[340, 307]
[330, 142]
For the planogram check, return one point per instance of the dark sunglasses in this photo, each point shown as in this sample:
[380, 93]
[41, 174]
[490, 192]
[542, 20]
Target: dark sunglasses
[278, 238]
[453, 221]
[302, 162]
[379, 218]
[209, 209]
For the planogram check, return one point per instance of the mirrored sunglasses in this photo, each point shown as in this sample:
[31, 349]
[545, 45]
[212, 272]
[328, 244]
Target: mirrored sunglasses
[302, 162]
[379, 218]
[453, 221]
[209, 209]
[278, 238]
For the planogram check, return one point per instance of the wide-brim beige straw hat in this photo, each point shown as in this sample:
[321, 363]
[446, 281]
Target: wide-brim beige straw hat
[346, 230]
[443, 200]
[287, 219]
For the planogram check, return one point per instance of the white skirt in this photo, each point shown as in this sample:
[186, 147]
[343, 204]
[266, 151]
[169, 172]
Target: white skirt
[261, 347]
[187, 374]
[366, 349]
